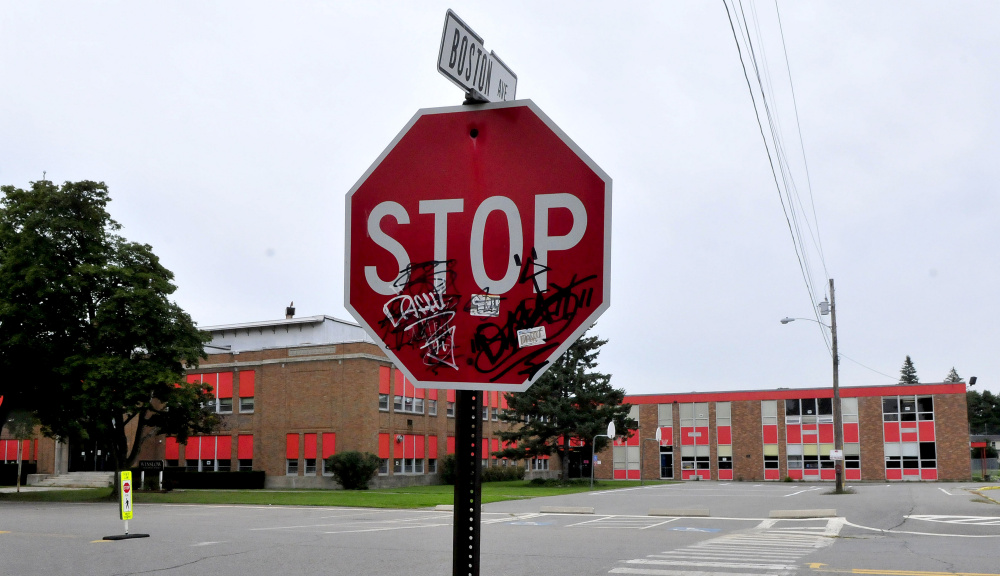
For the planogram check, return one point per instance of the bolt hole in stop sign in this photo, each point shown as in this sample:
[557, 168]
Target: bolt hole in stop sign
[478, 246]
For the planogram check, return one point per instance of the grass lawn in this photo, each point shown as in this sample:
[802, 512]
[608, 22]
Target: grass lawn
[412, 497]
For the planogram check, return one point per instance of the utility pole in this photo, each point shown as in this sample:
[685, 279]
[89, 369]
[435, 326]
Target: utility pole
[838, 420]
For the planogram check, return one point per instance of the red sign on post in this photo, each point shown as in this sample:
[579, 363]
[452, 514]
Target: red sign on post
[478, 246]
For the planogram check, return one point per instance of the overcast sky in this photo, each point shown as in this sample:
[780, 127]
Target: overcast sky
[229, 133]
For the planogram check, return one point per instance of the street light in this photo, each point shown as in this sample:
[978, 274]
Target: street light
[838, 425]
[593, 445]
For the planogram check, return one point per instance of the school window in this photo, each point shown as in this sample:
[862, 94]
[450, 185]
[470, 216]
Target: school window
[225, 405]
[397, 466]
[664, 415]
[486, 412]
[725, 456]
[291, 467]
[397, 403]
[310, 466]
[450, 409]
[432, 466]
[246, 405]
[383, 466]
[771, 462]
[539, 464]
[383, 402]
[247, 380]
[246, 464]
[496, 414]
[432, 407]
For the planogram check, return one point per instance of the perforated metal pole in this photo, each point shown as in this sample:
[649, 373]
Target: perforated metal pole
[468, 493]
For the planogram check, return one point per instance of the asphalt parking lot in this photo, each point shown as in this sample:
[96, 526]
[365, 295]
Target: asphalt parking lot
[879, 529]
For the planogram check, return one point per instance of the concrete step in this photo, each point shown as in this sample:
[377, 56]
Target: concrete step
[73, 480]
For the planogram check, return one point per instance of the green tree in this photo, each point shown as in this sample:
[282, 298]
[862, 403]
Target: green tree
[908, 373]
[984, 412]
[953, 377]
[89, 340]
[569, 401]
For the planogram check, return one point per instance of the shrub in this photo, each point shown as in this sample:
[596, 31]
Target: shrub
[353, 470]
[448, 469]
[502, 473]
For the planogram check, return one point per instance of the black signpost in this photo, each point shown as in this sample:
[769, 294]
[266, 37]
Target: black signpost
[468, 490]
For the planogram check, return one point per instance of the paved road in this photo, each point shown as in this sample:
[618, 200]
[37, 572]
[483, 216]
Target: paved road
[896, 529]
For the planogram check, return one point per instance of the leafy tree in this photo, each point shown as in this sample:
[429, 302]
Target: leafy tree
[984, 412]
[354, 470]
[569, 401]
[953, 377]
[89, 339]
[908, 373]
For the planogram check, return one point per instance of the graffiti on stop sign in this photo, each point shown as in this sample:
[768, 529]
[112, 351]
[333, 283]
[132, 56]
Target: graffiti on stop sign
[478, 246]
[421, 315]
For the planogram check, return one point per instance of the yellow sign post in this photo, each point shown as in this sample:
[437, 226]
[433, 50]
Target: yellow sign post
[125, 489]
[125, 485]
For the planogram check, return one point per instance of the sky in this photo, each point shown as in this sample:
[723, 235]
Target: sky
[230, 132]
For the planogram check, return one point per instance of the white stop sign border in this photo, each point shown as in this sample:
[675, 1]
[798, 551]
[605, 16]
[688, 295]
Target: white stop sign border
[606, 268]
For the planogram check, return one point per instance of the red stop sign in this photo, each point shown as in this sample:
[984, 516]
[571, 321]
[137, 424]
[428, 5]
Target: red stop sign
[126, 486]
[478, 246]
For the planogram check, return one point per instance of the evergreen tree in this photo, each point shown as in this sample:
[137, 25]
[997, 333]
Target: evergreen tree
[953, 377]
[89, 340]
[908, 373]
[984, 412]
[569, 402]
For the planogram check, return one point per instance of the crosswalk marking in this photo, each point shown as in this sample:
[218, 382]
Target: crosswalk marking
[768, 549]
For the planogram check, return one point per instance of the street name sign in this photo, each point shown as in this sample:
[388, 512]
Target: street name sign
[463, 60]
[478, 246]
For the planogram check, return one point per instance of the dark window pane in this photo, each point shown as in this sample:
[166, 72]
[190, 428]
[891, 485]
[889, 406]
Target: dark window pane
[927, 451]
[890, 405]
[907, 406]
[825, 406]
[791, 407]
[809, 406]
[925, 404]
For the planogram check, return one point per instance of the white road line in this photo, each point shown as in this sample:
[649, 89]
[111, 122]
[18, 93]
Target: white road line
[800, 492]
[660, 523]
[720, 555]
[946, 492]
[386, 529]
[650, 572]
[748, 566]
[938, 534]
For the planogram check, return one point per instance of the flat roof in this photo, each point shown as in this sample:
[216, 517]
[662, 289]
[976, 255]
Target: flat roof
[793, 393]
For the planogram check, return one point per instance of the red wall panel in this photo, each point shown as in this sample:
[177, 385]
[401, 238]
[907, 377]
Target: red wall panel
[666, 436]
[384, 441]
[826, 433]
[224, 447]
[770, 434]
[794, 433]
[330, 444]
[292, 446]
[927, 431]
[449, 446]
[244, 443]
[383, 379]
[725, 436]
[420, 447]
[891, 431]
[208, 447]
[225, 386]
[851, 433]
[309, 450]
[171, 450]
[247, 378]
[398, 387]
[432, 446]
[191, 448]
